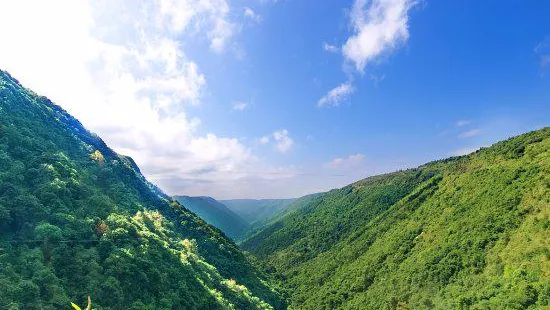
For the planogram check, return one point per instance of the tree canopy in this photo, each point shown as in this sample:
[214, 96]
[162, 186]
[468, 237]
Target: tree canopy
[78, 219]
[467, 232]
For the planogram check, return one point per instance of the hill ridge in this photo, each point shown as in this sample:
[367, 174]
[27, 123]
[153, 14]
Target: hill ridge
[216, 214]
[59, 182]
[462, 232]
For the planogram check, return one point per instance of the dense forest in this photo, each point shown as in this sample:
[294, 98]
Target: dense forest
[281, 207]
[255, 211]
[78, 219]
[468, 232]
[216, 214]
[241, 218]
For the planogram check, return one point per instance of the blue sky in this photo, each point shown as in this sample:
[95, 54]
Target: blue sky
[259, 99]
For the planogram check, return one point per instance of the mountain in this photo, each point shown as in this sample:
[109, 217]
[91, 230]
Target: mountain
[216, 214]
[78, 219]
[261, 224]
[468, 232]
[257, 210]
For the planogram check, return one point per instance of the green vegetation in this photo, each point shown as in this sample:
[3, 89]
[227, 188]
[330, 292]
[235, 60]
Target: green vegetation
[468, 232]
[88, 307]
[216, 214]
[77, 219]
[284, 206]
[257, 210]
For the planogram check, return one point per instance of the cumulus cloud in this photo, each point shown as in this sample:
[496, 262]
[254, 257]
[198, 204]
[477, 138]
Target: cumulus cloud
[121, 68]
[379, 26]
[351, 161]
[469, 133]
[264, 140]
[211, 16]
[280, 139]
[336, 95]
[283, 143]
[330, 48]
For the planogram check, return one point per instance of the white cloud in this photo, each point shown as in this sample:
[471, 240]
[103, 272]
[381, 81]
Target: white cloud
[283, 143]
[336, 95]
[379, 27]
[330, 48]
[346, 162]
[240, 105]
[469, 133]
[463, 122]
[121, 68]
[220, 34]
[264, 140]
[253, 16]
[196, 15]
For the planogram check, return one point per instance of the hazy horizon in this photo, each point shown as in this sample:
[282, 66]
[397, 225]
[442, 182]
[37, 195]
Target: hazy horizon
[280, 99]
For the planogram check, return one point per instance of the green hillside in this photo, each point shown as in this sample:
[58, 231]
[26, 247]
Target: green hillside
[257, 210]
[78, 219]
[469, 232]
[216, 214]
[258, 226]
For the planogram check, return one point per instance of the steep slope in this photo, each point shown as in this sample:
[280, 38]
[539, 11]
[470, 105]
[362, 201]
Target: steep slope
[77, 219]
[469, 232]
[216, 214]
[260, 225]
[257, 210]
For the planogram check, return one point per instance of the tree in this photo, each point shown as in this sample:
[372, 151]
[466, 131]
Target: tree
[49, 234]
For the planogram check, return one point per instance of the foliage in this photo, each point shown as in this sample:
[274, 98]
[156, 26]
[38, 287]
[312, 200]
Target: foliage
[76, 218]
[468, 232]
[89, 307]
[257, 210]
[266, 211]
[216, 214]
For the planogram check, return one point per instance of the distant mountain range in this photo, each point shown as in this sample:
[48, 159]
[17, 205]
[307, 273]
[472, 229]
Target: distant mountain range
[216, 214]
[257, 210]
[78, 219]
[239, 218]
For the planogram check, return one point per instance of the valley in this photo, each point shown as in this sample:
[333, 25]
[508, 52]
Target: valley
[274, 155]
[79, 220]
[460, 233]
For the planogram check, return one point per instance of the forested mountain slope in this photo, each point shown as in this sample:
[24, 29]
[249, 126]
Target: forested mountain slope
[469, 232]
[77, 219]
[257, 210]
[216, 214]
[261, 224]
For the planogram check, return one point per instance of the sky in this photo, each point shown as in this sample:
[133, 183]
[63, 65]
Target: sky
[278, 99]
